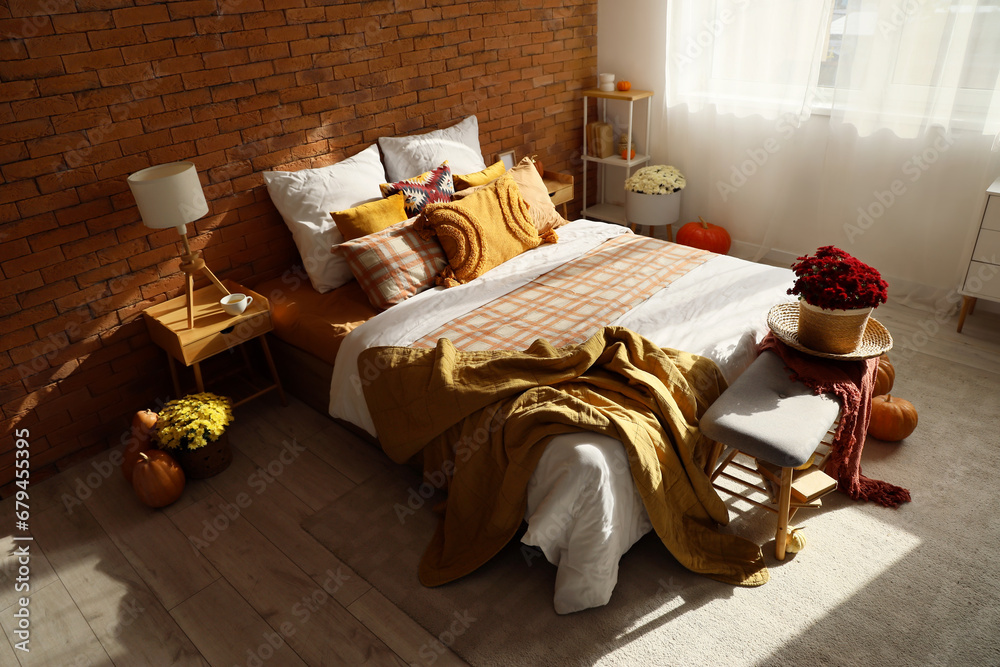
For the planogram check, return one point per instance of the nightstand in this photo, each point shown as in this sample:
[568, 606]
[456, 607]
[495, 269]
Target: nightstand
[560, 187]
[214, 332]
[984, 263]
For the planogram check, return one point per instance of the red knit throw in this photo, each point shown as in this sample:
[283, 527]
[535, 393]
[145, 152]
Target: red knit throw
[853, 383]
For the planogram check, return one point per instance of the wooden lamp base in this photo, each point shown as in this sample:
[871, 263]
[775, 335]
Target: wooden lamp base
[191, 263]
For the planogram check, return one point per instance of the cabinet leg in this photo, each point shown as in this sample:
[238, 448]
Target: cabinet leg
[274, 371]
[968, 305]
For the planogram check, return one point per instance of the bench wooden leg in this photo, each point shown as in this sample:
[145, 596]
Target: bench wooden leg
[784, 503]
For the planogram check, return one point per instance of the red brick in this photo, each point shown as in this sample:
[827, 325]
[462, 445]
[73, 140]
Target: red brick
[69, 83]
[80, 120]
[82, 22]
[93, 60]
[103, 97]
[218, 24]
[178, 65]
[13, 248]
[18, 90]
[136, 109]
[56, 45]
[32, 168]
[109, 39]
[140, 15]
[59, 143]
[148, 52]
[19, 284]
[13, 152]
[48, 293]
[42, 107]
[17, 190]
[114, 76]
[70, 267]
[91, 243]
[48, 202]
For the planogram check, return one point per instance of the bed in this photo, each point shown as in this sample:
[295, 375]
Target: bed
[583, 509]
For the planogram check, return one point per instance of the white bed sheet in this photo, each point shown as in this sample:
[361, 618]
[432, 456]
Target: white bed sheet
[583, 509]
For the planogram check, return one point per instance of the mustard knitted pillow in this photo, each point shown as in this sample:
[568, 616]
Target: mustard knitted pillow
[481, 231]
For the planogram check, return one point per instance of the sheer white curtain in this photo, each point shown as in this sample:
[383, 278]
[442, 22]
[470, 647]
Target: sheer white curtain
[917, 64]
[889, 160]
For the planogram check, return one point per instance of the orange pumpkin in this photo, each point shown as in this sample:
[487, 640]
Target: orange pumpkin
[623, 153]
[157, 479]
[624, 85]
[892, 419]
[704, 235]
[886, 376]
[142, 428]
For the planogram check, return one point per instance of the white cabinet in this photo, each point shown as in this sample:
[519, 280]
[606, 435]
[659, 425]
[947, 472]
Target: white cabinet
[602, 210]
[982, 277]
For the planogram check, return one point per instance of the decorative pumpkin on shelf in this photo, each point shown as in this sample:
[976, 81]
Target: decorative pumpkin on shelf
[157, 479]
[705, 236]
[624, 154]
[892, 419]
[886, 376]
[142, 427]
[624, 86]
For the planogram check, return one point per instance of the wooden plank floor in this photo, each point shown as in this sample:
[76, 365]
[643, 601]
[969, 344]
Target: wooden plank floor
[116, 583]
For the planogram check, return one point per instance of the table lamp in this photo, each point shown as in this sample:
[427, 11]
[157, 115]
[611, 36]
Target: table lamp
[170, 195]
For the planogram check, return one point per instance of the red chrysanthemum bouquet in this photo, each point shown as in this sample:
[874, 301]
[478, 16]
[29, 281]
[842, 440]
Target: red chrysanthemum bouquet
[834, 280]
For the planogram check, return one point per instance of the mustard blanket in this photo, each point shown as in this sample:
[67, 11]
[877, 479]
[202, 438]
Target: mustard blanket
[484, 419]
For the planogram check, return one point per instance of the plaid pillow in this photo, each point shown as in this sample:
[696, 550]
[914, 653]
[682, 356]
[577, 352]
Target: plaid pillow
[427, 188]
[394, 264]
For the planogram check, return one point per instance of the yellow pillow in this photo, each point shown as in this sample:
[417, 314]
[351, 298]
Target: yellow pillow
[488, 175]
[371, 217]
[482, 230]
[533, 189]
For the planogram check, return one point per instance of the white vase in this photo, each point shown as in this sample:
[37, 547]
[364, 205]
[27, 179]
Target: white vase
[652, 210]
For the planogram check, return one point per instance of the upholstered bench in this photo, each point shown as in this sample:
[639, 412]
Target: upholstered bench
[780, 424]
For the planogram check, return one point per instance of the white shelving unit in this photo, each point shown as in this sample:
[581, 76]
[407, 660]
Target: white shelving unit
[602, 210]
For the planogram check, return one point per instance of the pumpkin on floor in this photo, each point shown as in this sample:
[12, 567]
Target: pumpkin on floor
[892, 419]
[705, 236]
[886, 376]
[157, 479]
[142, 430]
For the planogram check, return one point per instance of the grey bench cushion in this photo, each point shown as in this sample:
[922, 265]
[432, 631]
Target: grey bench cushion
[770, 417]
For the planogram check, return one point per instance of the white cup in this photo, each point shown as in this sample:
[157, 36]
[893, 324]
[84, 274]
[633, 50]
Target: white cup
[234, 304]
[606, 78]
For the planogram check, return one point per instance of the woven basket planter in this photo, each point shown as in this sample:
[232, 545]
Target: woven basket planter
[836, 331]
[206, 461]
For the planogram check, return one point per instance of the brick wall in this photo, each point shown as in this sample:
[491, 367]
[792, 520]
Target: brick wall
[93, 90]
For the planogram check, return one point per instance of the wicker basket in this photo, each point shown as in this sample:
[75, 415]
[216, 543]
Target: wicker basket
[836, 331]
[206, 461]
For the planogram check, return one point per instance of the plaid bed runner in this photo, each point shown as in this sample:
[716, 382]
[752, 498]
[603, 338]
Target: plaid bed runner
[565, 305]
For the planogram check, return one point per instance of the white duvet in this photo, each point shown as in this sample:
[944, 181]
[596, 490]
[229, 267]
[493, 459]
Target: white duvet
[583, 509]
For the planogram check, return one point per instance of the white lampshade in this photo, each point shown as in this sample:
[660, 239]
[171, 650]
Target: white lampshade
[168, 195]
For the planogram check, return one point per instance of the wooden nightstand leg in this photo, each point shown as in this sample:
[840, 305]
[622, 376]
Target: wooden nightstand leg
[173, 376]
[197, 377]
[246, 357]
[968, 305]
[274, 371]
[565, 210]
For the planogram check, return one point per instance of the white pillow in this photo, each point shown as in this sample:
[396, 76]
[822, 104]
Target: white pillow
[406, 157]
[305, 199]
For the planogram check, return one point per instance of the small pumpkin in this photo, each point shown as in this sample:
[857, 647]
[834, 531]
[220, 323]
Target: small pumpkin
[624, 151]
[624, 85]
[886, 376]
[796, 540]
[142, 430]
[892, 419]
[157, 479]
[705, 236]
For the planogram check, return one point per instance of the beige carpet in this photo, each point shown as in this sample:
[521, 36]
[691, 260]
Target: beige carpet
[915, 586]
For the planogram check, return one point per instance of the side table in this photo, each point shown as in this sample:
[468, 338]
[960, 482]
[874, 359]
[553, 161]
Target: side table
[560, 187]
[214, 331]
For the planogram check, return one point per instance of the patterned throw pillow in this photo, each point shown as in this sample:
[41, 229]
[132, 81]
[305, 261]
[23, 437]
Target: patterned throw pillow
[482, 231]
[427, 188]
[394, 264]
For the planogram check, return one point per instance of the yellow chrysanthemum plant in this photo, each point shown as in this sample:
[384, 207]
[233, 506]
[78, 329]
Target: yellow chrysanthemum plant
[193, 421]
